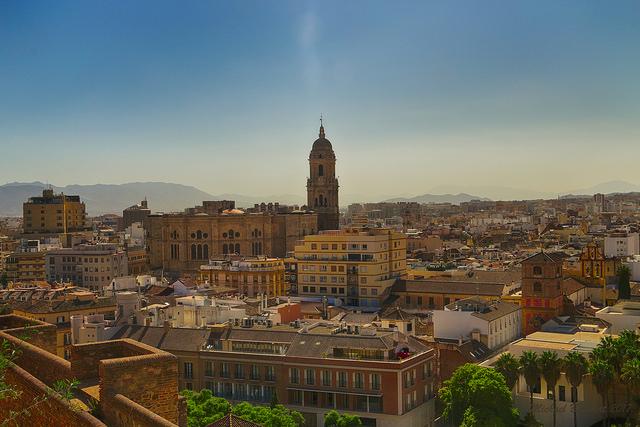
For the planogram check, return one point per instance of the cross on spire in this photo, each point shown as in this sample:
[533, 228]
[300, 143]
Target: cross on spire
[321, 127]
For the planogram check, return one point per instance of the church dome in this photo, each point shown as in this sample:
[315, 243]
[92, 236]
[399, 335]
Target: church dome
[322, 143]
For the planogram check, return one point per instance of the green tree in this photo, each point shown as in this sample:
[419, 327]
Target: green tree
[509, 367]
[575, 368]
[477, 396]
[530, 368]
[279, 416]
[602, 376]
[335, 419]
[203, 407]
[631, 378]
[624, 288]
[550, 367]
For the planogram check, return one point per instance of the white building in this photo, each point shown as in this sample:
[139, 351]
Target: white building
[494, 323]
[623, 315]
[622, 244]
[634, 267]
[192, 312]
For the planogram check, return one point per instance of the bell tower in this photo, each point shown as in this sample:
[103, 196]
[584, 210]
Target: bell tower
[322, 185]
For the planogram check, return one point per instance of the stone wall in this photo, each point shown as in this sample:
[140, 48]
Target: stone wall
[40, 334]
[85, 358]
[36, 405]
[149, 380]
[125, 412]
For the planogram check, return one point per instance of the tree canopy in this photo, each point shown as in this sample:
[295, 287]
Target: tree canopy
[476, 396]
[203, 408]
[335, 419]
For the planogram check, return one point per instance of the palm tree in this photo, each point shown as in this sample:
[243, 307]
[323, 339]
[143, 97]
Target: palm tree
[631, 377]
[629, 345]
[575, 368]
[602, 376]
[508, 366]
[550, 366]
[531, 371]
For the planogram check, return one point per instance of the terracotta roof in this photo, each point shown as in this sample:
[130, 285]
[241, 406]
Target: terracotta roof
[444, 286]
[542, 256]
[231, 420]
[46, 306]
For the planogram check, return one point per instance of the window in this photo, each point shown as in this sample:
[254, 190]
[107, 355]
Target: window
[224, 370]
[537, 287]
[188, 370]
[309, 376]
[270, 374]
[342, 379]
[375, 381]
[320, 170]
[294, 376]
[561, 393]
[255, 372]
[239, 373]
[208, 368]
[407, 299]
[326, 378]
[358, 380]
[537, 270]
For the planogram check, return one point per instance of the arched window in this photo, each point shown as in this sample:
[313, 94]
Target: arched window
[224, 249]
[205, 251]
[259, 248]
[237, 234]
[231, 234]
[237, 248]
[193, 251]
[537, 287]
[316, 202]
[537, 270]
[199, 234]
[320, 170]
[199, 251]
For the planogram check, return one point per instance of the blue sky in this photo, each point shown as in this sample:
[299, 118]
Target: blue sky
[417, 96]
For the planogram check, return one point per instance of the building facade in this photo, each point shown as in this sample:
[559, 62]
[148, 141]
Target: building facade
[384, 377]
[91, 266]
[322, 184]
[135, 213]
[355, 265]
[250, 276]
[542, 295]
[181, 243]
[53, 213]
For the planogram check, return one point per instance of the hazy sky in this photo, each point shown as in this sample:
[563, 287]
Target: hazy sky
[418, 96]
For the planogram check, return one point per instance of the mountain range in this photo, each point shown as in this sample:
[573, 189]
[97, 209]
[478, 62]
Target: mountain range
[169, 197]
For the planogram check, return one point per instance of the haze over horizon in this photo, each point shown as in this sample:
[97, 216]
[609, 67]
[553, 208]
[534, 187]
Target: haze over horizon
[418, 98]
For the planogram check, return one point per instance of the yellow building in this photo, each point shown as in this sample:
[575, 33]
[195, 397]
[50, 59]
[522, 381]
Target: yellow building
[25, 267]
[59, 311]
[596, 269]
[53, 213]
[355, 265]
[248, 275]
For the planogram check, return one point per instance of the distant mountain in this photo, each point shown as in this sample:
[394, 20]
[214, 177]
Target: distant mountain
[608, 188]
[439, 198]
[113, 198]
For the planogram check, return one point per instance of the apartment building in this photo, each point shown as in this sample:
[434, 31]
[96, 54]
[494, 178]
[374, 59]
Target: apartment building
[622, 244]
[25, 267]
[250, 276]
[383, 376]
[493, 323]
[59, 309]
[91, 266]
[353, 265]
[53, 213]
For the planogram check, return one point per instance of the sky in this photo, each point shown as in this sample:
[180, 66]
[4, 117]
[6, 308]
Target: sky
[425, 96]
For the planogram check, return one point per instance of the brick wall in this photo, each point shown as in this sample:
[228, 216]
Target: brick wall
[50, 411]
[125, 412]
[38, 333]
[45, 366]
[85, 358]
[150, 380]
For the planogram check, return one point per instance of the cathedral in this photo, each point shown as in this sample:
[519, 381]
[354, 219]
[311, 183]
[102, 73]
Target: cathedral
[322, 185]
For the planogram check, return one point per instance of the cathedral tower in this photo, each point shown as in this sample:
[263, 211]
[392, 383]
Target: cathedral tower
[322, 185]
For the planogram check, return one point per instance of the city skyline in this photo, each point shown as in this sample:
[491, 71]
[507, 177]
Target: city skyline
[464, 97]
